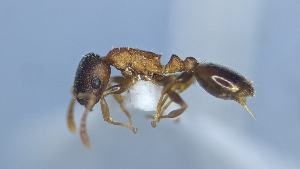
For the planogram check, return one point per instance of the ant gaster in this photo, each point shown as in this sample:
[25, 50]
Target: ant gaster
[93, 83]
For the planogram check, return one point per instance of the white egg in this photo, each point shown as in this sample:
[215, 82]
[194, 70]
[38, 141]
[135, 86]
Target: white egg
[143, 95]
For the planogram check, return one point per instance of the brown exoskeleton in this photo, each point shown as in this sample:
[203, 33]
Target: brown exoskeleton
[93, 83]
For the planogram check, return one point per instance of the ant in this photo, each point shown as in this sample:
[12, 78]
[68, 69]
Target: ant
[93, 83]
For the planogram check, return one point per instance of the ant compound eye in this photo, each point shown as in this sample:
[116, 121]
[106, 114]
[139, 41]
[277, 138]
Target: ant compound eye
[96, 83]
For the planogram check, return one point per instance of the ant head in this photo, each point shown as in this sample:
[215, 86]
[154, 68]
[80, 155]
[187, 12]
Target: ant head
[224, 83]
[91, 78]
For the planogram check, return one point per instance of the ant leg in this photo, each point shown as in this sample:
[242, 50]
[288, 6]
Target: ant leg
[183, 82]
[177, 99]
[175, 113]
[121, 86]
[172, 83]
[167, 82]
[161, 102]
[119, 98]
[108, 118]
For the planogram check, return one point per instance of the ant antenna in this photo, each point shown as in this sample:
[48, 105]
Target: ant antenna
[83, 131]
[70, 116]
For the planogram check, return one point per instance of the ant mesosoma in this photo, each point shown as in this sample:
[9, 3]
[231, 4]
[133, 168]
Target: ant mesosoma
[93, 83]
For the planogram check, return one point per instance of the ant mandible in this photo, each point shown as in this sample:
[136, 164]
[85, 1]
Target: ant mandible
[93, 83]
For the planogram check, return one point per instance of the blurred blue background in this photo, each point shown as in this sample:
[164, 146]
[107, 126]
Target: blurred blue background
[42, 42]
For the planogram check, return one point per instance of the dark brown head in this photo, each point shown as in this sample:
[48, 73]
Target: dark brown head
[91, 78]
[224, 83]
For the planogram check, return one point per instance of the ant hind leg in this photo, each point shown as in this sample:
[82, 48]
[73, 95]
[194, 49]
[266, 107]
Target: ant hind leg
[177, 99]
[172, 86]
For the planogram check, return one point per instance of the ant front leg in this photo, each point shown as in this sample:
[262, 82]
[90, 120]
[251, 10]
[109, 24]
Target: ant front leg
[126, 83]
[120, 99]
[107, 117]
[172, 86]
[121, 86]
